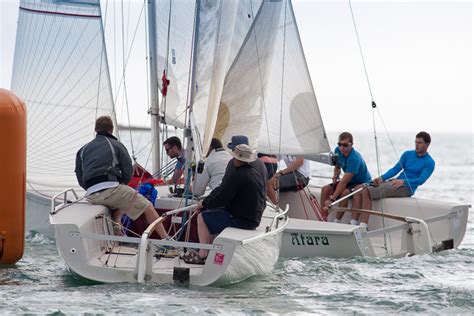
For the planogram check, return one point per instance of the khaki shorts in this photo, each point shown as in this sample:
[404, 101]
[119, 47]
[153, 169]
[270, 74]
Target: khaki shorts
[386, 190]
[123, 198]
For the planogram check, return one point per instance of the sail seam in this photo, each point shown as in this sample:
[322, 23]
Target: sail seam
[62, 13]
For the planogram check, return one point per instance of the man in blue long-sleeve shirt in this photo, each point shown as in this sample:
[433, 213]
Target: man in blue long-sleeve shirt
[416, 166]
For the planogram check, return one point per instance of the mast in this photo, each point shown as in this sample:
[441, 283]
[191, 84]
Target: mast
[154, 105]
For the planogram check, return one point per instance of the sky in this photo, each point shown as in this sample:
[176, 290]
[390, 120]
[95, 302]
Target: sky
[418, 55]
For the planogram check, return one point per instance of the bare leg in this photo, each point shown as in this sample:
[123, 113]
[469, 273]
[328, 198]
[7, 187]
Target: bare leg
[366, 205]
[151, 215]
[356, 203]
[204, 236]
[344, 203]
[117, 222]
[326, 191]
[116, 216]
[271, 190]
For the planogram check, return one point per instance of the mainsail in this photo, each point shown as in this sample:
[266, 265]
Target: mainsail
[60, 70]
[174, 29]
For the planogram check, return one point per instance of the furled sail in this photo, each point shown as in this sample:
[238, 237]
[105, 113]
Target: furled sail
[60, 70]
[268, 94]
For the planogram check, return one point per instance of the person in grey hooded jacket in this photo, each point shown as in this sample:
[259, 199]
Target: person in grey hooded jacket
[103, 169]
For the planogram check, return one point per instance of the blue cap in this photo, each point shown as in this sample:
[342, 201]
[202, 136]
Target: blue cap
[237, 140]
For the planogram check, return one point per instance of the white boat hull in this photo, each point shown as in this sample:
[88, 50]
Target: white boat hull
[237, 254]
[305, 236]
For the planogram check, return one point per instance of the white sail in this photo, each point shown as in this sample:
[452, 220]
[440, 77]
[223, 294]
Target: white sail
[175, 27]
[290, 98]
[268, 94]
[215, 26]
[60, 70]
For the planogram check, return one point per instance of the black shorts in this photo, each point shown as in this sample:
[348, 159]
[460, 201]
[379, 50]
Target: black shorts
[292, 181]
[219, 219]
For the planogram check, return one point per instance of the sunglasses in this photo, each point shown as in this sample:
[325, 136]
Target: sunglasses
[345, 145]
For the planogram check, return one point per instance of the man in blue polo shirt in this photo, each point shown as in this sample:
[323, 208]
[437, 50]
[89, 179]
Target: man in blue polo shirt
[416, 166]
[174, 149]
[355, 173]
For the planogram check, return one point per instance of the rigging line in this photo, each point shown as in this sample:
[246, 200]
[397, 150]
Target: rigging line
[36, 191]
[125, 87]
[115, 46]
[147, 62]
[373, 110]
[105, 58]
[360, 51]
[282, 78]
[164, 98]
[117, 89]
[128, 24]
[191, 66]
[101, 60]
[37, 63]
[261, 81]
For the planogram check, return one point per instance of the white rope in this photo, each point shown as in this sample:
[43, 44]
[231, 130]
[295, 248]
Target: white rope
[282, 79]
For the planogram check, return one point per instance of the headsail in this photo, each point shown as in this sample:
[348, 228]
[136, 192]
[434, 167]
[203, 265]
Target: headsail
[215, 26]
[268, 94]
[60, 70]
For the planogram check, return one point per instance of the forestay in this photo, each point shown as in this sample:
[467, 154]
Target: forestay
[60, 70]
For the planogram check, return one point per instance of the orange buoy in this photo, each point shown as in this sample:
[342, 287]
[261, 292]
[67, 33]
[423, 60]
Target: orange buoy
[13, 174]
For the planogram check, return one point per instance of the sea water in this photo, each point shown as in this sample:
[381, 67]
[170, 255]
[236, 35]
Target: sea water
[439, 283]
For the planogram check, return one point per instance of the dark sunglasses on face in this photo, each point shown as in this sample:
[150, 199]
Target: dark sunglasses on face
[345, 145]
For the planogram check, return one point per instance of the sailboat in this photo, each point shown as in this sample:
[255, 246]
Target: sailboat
[248, 76]
[76, 88]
